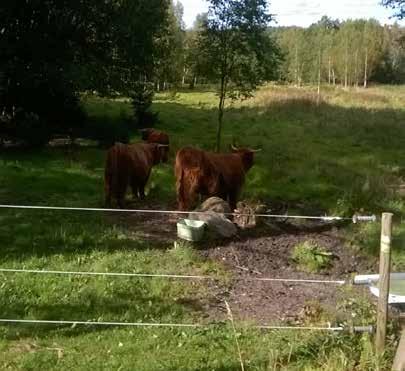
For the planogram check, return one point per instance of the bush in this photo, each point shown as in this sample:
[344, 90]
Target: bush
[107, 131]
[43, 112]
[141, 101]
[310, 257]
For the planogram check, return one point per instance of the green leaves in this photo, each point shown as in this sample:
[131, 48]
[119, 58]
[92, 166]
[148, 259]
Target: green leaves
[236, 49]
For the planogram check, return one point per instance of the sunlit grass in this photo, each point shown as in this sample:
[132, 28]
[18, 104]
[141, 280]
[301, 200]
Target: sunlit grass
[339, 157]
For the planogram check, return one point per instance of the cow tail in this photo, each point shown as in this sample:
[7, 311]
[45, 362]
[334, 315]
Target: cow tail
[180, 187]
[111, 173]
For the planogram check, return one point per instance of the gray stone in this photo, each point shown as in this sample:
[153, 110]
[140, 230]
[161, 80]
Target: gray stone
[215, 204]
[213, 211]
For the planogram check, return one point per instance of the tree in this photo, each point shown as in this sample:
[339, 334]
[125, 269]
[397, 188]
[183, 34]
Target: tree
[193, 58]
[398, 5]
[169, 47]
[237, 50]
[51, 50]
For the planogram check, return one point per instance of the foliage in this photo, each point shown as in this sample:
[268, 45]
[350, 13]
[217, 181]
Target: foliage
[398, 5]
[141, 102]
[237, 52]
[169, 47]
[311, 257]
[351, 53]
[52, 50]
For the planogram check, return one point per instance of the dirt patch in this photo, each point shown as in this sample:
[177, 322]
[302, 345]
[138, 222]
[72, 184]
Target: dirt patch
[262, 252]
[269, 256]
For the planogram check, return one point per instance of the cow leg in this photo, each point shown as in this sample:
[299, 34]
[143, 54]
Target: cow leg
[233, 198]
[107, 191]
[121, 200]
[141, 191]
[121, 191]
[134, 187]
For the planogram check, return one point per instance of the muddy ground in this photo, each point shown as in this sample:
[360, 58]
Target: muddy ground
[264, 252]
[268, 255]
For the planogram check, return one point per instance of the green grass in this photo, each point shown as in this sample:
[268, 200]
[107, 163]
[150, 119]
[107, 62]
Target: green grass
[339, 157]
[310, 257]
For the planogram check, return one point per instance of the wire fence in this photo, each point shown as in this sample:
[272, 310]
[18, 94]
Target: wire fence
[354, 219]
[171, 276]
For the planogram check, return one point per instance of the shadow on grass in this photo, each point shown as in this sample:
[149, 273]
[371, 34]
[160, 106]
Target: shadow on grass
[134, 305]
[329, 157]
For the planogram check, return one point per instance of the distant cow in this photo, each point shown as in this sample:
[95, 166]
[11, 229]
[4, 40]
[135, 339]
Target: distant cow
[130, 165]
[211, 174]
[156, 136]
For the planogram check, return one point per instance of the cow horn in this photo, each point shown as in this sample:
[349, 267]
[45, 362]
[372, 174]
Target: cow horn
[256, 150]
[234, 147]
[163, 145]
[143, 130]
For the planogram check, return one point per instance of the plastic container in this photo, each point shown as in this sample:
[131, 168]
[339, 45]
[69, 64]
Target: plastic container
[190, 230]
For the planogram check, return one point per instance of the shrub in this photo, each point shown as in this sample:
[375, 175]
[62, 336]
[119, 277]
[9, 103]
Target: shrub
[107, 131]
[141, 101]
[310, 257]
[42, 112]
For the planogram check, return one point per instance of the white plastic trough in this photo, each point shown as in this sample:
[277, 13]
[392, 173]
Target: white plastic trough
[190, 230]
[397, 286]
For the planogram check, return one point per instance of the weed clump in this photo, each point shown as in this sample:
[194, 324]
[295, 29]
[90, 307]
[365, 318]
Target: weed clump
[310, 257]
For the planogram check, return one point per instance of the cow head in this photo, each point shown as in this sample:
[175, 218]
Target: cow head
[161, 152]
[158, 137]
[247, 155]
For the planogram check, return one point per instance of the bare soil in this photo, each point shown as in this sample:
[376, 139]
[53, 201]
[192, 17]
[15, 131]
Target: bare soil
[267, 254]
[263, 252]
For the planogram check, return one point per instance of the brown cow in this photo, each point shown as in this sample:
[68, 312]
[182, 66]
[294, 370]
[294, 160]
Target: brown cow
[130, 165]
[156, 136]
[211, 174]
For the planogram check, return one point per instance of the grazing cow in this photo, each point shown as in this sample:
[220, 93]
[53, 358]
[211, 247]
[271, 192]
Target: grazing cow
[156, 136]
[211, 174]
[130, 165]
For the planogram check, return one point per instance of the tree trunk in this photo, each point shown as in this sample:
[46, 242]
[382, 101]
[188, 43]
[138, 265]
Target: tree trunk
[183, 81]
[296, 66]
[356, 72]
[333, 77]
[220, 113]
[318, 99]
[158, 86]
[329, 71]
[346, 65]
[366, 69]
[192, 83]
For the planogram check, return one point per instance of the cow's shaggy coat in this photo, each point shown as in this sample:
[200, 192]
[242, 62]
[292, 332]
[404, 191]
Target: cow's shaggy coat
[210, 174]
[129, 165]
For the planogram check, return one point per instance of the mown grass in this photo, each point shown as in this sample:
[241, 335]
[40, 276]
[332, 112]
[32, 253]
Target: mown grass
[338, 157]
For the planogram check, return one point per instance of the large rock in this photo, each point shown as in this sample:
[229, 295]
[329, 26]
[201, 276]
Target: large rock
[215, 204]
[213, 211]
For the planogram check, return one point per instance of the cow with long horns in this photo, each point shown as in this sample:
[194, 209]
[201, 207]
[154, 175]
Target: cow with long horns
[211, 174]
[156, 136]
[130, 165]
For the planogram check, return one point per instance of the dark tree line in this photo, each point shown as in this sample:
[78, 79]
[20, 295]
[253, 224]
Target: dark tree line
[51, 50]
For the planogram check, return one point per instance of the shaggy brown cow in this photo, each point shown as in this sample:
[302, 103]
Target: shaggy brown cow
[156, 136]
[130, 165]
[211, 174]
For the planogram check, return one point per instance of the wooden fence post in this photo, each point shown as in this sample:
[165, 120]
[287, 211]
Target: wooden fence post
[384, 281]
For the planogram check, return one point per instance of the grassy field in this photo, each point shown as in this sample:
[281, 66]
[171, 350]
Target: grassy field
[343, 156]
